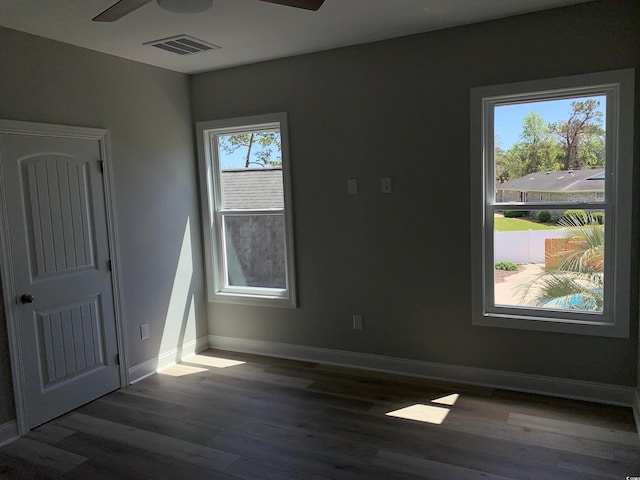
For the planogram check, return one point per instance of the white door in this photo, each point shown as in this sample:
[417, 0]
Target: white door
[59, 256]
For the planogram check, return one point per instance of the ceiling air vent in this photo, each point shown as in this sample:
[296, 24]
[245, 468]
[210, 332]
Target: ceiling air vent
[183, 45]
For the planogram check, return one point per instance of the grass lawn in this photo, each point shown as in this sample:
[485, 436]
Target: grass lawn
[516, 224]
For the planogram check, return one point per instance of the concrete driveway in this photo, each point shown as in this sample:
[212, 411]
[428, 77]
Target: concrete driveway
[510, 291]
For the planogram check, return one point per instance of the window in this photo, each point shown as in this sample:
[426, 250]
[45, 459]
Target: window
[244, 165]
[558, 259]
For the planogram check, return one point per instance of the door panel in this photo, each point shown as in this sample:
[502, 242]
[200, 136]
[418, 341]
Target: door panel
[57, 214]
[60, 256]
[70, 341]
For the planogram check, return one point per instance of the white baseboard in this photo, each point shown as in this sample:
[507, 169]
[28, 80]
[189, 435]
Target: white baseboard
[150, 367]
[8, 432]
[553, 386]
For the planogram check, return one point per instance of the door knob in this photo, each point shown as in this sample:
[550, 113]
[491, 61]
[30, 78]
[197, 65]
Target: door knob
[26, 298]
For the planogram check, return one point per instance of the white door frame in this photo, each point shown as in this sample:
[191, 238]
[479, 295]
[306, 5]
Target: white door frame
[6, 273]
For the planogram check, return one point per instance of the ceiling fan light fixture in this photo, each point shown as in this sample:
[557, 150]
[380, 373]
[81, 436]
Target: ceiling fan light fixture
[185, 6]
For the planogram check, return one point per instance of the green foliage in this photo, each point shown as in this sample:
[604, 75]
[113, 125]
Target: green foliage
[506, 265]
[598, 217]
[577, 280]
[575, 291]
[544, 216]
[581, 136]
[519, 225]
[515, 213]
[259, 147]
[573, 217]
[575, 143]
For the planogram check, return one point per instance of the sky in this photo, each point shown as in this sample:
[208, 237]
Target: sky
[508, 118]
[238, 158]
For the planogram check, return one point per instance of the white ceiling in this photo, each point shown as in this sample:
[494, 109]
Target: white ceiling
[249, 30]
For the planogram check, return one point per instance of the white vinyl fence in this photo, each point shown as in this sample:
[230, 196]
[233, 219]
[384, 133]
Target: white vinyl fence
[524, 246]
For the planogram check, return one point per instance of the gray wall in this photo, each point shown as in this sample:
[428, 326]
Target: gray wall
[400, 108]
[147, 112]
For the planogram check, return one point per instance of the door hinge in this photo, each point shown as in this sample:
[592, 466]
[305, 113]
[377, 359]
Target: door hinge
[109, 265]
[101, 166]
[117, 359]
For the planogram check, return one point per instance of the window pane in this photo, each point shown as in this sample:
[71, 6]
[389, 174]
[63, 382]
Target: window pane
[255, 253]
[556, 264]
[550, 151]
[251, 170]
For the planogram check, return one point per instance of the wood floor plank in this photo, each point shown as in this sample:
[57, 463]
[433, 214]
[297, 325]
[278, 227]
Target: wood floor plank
[121, 460]
[574, 429]
[416, 438]
[249, 374]
[425, 468]
[252, 389]
[612, 469]
[246, 469]
[95, 470]
[149, 421]
[363, 438]
[324, 465]
[606, 416]
[249, 396]
[46, 456]
[50, 433]
[180, 450]
[523, 435]
[222, 405]
[14, 468]
[225, 416]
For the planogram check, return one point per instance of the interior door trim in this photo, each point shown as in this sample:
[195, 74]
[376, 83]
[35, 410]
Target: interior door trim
[6, 273]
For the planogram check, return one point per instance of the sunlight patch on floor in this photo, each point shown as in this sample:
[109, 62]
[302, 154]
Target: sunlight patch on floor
[217, 362]
[181, 370]
[422, 413]
[448, 400]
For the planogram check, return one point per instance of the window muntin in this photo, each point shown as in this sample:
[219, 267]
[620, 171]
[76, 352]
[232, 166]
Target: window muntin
[249, 235]
[603, 306]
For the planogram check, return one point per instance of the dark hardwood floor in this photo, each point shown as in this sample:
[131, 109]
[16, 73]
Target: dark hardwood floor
[222, 415]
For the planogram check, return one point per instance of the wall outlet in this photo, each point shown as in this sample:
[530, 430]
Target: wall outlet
[358, 322]
[144, 331]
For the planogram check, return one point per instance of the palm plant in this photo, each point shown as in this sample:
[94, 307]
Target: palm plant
[576, 281]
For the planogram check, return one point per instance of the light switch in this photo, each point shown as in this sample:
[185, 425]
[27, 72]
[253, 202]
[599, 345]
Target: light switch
[144, 331]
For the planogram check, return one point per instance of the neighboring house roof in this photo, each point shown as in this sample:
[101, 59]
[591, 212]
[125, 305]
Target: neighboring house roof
[252, 188]
[558, 181]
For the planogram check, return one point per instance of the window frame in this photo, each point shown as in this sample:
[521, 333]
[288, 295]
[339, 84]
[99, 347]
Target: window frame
[618, 86]
[213, 213]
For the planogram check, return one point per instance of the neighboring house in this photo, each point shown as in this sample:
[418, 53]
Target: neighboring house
[257, 257]
[554, 186]
[252, 188]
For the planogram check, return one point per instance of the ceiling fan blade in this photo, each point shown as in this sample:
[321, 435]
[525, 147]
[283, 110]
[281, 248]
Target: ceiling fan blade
[306, 4]
[119, 10]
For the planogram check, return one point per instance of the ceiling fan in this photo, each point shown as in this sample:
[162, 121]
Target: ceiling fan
[125, 7]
